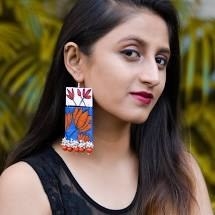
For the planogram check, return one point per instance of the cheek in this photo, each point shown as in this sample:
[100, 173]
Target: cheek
[108, 75]
[161, 86]
[163, 82]
[105, 86]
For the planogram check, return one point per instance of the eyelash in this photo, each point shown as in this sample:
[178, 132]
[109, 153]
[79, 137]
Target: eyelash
[163, 64]
[128, 53]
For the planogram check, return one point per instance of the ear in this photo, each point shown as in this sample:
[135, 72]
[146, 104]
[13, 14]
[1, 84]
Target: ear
[72, 60]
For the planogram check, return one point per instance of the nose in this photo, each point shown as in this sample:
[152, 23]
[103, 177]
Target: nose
[149, 73]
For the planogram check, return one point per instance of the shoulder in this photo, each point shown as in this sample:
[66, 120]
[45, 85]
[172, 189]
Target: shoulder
[21, 191]
[201, 193]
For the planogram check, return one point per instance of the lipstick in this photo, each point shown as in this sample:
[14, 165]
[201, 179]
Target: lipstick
[142, 96]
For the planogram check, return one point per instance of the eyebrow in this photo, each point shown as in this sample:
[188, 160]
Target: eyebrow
[143, 43]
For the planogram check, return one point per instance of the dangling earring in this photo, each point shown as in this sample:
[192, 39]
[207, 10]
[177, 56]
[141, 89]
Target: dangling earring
[78, 120]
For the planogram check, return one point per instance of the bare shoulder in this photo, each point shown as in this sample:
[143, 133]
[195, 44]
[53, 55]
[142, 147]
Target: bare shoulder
[201, 191]
[21, 192]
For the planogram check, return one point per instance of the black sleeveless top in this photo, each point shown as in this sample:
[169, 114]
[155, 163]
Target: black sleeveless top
[64, 193]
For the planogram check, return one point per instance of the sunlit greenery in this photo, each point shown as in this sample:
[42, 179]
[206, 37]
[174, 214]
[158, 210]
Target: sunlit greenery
[28, 32]
[198, 90]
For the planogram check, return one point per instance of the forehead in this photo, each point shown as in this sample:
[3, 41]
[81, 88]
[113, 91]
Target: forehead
[143, 24]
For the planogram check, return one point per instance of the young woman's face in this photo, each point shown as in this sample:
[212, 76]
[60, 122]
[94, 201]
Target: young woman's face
[127, 68]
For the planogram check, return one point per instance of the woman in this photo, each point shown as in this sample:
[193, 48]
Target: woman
[127, 51]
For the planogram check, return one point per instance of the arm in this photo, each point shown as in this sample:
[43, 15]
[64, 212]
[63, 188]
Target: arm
[21, 192]
[201, 194]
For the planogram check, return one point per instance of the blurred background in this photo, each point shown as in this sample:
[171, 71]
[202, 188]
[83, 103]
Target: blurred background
[28, 32]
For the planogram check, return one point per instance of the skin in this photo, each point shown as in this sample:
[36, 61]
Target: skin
[119, 64]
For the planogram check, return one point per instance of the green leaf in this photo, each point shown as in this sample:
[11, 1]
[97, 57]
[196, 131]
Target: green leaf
[206, 68]
[190, 65]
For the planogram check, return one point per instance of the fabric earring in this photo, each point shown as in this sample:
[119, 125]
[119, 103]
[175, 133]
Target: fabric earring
[78, 120]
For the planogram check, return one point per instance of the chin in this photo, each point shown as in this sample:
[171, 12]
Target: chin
[139, 120]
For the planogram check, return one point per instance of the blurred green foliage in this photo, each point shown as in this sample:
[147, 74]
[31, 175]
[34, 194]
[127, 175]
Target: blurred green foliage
[28, 32]
[198, 87]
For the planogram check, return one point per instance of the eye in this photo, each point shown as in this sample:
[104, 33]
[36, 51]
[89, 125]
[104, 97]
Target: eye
[131, 54]
[161, 61]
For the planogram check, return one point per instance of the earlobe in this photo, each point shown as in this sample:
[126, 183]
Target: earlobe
[72, 61]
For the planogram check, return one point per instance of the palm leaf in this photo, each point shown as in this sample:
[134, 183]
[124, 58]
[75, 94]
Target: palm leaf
[15, 69]
[206, 64]
[197, 59]
[11, 40]
[190, 66]
[12, 125]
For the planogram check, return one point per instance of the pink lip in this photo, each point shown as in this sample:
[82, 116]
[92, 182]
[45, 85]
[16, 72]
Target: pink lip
[143, 97]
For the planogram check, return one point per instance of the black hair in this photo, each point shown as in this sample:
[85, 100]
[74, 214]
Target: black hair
[164, 179]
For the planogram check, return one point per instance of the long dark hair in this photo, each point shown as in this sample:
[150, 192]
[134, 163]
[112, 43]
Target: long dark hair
[164, 179]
